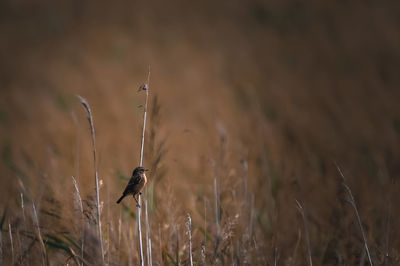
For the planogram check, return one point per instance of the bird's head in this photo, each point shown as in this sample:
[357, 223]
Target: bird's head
[139, 170]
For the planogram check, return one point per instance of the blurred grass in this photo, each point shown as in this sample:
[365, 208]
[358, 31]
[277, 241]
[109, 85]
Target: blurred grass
[8, 161]
[305, 82]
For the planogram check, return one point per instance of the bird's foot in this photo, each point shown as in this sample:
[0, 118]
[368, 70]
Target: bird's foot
[137, 205]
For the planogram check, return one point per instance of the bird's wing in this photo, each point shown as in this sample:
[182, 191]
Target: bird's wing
[132, 183]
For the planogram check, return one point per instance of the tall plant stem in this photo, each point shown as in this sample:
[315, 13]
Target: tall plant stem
[144, 87]
[96, 177]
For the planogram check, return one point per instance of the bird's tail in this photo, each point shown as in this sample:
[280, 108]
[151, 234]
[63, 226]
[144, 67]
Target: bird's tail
[123, 196]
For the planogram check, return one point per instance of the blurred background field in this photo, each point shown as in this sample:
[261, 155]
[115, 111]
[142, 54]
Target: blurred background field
[286, 87]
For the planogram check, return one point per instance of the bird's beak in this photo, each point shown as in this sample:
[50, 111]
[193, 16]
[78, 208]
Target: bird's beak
[147, 170]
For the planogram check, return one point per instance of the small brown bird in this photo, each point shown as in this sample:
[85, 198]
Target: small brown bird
[135, 184]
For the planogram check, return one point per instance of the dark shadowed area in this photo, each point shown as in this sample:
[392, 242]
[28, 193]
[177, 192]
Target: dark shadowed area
[253, 105]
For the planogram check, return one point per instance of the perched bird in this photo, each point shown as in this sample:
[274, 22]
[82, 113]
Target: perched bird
[135, 184]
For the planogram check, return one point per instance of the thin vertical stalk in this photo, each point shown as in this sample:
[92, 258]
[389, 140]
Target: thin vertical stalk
[108, 242]
[11, 243]
[244, 181]
[39, 234]
[25, 227]
[216, 201]
[78, 201]
[251, 216]
[217, 218]
[139, 227]
[76, 163]
[203, 246]
[245, 198]
[303, 215]
[96, 177]
[352, 202]
[189, 231]
[159, 243]
[110, 228]
[144, 87]
[205, 219]
[148, 240]
[175, 232]
[203, 254]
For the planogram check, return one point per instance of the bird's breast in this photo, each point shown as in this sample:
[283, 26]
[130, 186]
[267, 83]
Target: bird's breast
[144, 179]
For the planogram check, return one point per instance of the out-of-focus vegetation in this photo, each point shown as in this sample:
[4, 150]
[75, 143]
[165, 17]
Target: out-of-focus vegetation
[252, 104]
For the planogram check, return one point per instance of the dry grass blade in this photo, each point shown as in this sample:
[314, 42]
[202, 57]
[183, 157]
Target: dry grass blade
[352, 202]
[189, 232]
[77, 258]
[76, 163]
[22, 207]
[25, 226]
[216, 205]
[216, 197]
[90, 119]
[39, 234]
[78, 195]
[303, 215]
[203, 254]
[78, 201]
[11, 243]
[203, 245]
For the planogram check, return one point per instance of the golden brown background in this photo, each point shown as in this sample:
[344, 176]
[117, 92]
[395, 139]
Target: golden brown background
[295, 85]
